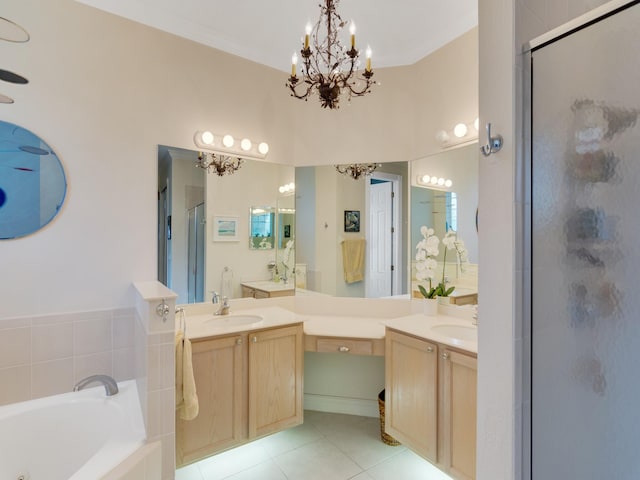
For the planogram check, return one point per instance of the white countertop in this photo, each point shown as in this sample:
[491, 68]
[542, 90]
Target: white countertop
[430, 328]
[209, 325]
[201, 322]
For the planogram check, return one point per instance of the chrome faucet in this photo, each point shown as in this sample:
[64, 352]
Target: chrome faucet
[224, 307]
[215, 297]
[110, 385]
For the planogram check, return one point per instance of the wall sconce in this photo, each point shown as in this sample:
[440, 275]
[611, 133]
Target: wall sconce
[436, 182]
[230, 146]
[461, 133]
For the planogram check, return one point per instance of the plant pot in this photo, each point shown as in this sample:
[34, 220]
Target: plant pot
[444, 300]
[430, 306]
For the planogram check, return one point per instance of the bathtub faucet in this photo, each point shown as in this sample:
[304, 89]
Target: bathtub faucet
[110, 385]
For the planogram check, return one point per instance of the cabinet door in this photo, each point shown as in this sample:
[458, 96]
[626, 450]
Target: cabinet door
[411, 396]
[459, 414]
[275, 379]
[220, 374]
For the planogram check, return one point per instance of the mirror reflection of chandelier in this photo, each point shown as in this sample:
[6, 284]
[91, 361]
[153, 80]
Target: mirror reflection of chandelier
[356, 170]
[218, 163]
[328, 68]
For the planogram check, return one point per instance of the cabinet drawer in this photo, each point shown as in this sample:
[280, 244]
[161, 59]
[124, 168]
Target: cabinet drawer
[344, 345]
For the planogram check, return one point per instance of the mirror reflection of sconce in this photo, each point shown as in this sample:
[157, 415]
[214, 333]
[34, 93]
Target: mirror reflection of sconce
[461, 133]
[433, 181]
[287, 189]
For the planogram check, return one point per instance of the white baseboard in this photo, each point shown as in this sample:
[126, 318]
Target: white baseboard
[350, 406]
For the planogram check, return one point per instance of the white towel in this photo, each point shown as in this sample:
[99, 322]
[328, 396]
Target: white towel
[186, 397]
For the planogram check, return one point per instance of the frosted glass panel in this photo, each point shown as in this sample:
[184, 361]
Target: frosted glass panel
[586, 253]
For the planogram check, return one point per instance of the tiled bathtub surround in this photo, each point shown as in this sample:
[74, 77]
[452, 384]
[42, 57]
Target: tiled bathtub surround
[47, 355]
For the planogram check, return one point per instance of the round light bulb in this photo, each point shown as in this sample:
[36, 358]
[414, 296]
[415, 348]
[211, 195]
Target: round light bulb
[434, 180]
[245, 144]
[286, 188]
[207, 138]
[426, 178]
[263, 148]
[292, 186]
[460, 130]
[448, 183]
[227, 141]
[442, 136]
[441, 181]
[476, 124]
[281, 189]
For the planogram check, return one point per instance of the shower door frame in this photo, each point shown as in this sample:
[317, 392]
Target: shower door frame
[525, 247]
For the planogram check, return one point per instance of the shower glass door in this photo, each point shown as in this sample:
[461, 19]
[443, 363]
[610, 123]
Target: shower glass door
[195, 254]
[585, 246]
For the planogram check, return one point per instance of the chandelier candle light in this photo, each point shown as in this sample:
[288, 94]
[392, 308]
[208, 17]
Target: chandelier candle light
[328, 67]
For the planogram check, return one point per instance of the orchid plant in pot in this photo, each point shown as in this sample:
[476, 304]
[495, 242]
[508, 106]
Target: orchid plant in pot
[427, 250]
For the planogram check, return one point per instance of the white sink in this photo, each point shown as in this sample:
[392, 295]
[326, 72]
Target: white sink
[459, 332]
[234, 320]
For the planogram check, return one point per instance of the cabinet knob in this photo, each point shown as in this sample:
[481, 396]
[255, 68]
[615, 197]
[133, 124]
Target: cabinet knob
[238, 341]
[445, 355]
[254, 339]
[429, 349]
[343, 349]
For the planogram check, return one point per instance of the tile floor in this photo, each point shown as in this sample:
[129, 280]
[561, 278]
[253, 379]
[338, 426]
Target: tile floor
[328, 446]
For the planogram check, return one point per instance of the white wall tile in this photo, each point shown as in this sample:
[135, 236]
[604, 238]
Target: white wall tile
[52, 341]
[15, 384]
[124, 364]
[94, 364]
[123, 330]
[51, 378]
[15, 347]
[92, 336]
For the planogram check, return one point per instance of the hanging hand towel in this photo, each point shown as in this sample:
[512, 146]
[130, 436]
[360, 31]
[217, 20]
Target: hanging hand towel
[353, 259]
[186, 397]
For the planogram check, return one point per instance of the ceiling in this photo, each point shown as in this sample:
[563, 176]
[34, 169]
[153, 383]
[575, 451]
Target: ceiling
[400, 32]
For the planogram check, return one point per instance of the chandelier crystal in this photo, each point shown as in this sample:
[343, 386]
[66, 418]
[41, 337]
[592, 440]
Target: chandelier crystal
[356, 170]
[218, 164]
[328, 68]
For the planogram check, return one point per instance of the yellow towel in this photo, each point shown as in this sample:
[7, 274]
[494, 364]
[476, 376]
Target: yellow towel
[186, 397]
[353, 259]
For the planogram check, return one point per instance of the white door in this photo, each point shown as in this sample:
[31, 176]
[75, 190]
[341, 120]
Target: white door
[380, 237]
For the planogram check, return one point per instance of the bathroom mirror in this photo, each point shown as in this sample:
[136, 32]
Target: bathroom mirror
[443, 208]
[380, 202]
[192, 261]
[261, 228]
[33, 185]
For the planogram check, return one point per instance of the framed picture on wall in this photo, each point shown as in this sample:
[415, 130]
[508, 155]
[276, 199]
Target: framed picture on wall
[352, 220]
[225, 229]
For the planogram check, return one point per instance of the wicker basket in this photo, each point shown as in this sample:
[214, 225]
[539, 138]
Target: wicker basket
[386, 438]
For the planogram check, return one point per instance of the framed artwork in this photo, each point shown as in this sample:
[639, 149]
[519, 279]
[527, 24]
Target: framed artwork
[352, 220]
[287, 231]
[225, 229]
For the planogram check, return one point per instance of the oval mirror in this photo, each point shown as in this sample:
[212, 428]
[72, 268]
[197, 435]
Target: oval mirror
[32, 182]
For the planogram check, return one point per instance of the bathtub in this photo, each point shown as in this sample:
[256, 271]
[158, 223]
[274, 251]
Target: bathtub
[72, 436]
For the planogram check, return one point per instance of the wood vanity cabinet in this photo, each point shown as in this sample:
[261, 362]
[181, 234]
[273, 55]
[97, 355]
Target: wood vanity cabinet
[248, 385]
[430, 401]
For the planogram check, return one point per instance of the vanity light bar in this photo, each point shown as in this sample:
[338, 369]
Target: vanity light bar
[229, 145]
[461, 133]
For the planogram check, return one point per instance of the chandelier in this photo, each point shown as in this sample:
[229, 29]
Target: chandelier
[328, 68]
[218, 164]
[356, 170]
